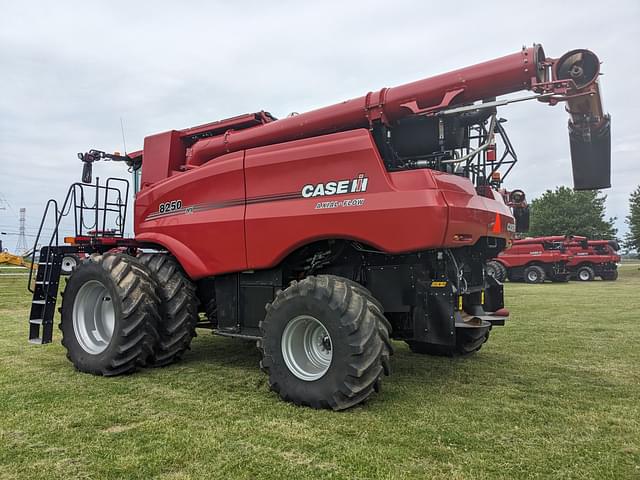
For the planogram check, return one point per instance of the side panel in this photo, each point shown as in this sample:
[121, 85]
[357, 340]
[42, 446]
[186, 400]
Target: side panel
[581, 256]
[333, 186]
[395, 217]
[397, 212]
[204, 226]
[523, 255]
[472, 216]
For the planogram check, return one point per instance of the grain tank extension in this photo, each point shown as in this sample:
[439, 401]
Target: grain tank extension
[323, 236]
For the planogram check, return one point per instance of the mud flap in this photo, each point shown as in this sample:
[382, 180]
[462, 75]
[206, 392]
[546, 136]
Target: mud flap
[493, 295]
[434, 313]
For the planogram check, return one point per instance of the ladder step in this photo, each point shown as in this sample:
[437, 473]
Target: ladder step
[35, 321]
[36, 341]
[39, 302]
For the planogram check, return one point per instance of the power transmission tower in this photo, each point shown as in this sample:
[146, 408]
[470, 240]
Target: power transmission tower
[22, 246]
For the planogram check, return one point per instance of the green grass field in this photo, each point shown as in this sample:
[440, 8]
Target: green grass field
[554, 394]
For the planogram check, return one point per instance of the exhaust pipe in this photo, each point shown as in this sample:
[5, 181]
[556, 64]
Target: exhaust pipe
[589, 127]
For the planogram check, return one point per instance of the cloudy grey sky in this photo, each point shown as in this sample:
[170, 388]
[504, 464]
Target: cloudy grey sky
[70, 70]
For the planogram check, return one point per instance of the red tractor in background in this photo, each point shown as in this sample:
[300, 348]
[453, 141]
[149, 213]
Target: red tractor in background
[593, 258]
[322, 236]
[532, 260]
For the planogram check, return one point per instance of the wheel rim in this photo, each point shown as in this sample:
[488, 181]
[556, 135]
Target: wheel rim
[93, 317]
[306, 348]
[490, 271]
[533, 276]
[69, 264]
[584, 275]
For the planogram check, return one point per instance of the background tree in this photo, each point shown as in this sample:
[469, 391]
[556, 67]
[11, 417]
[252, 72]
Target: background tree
[567, 212]
[632, 238]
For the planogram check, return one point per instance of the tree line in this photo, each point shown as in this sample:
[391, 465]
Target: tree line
[564, 211]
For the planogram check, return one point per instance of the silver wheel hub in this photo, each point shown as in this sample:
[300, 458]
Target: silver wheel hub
[306, 348]
[584, 275]
[93, 317]
[69, 264]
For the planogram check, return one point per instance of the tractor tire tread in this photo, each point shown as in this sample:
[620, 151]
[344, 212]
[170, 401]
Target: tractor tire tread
[178, 308]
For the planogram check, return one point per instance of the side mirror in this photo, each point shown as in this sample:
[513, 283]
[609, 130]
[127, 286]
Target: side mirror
[87, 169]
[522, 215]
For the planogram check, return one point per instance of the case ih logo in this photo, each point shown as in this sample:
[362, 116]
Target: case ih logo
[358, 184]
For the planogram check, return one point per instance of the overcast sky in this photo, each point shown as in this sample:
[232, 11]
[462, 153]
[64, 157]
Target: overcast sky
[70, 70]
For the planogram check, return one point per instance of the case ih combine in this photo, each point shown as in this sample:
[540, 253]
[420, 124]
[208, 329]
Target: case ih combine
[593, 258]
[321, 235]
[556, 258]
[532, 260]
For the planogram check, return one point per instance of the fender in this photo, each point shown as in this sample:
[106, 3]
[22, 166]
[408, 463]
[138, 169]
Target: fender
[191, 263]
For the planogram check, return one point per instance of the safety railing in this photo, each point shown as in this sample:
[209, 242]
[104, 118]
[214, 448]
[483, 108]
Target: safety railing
[96, 208]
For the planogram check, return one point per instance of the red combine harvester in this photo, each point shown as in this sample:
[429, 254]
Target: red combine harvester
[533, 260]
[556, 258]
[320, 235]
[593, 258]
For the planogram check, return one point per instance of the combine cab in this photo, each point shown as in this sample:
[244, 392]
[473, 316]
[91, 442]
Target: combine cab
[322, 236]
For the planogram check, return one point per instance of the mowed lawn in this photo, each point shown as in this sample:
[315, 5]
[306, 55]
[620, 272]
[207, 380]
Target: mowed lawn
[554, 394]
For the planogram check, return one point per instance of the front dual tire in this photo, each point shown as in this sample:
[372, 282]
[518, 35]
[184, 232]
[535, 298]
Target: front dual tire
[120, 313]
[110, 315]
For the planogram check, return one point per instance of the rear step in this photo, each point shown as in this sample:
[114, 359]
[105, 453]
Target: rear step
[494, 320]
[481, 318]
[45, 296]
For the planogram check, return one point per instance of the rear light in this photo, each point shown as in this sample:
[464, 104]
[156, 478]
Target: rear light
[70, 240]
[462, 237]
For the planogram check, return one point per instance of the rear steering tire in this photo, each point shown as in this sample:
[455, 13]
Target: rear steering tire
[178, 308]
[496, 270]
[534, 274]
[610, 276]
[109, 315]
[324, 343]
[585, 274]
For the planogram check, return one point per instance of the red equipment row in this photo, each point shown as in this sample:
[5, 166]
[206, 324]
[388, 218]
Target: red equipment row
[557, 258]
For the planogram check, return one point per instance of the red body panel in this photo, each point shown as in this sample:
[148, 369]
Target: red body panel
[527, 253]
[206, 233]
[220, 217]
[596, 252]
